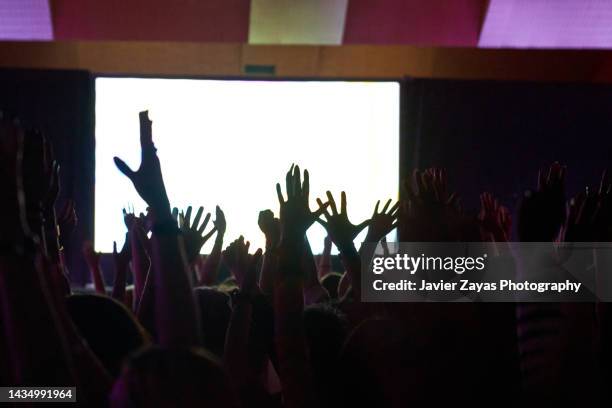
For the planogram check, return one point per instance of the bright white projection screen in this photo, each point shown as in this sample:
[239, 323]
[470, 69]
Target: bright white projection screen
[228, 142]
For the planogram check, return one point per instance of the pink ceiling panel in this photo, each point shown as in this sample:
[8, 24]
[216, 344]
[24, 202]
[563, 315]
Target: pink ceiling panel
[176, 20]
[415, 22]
[25, 20]
[548, 24]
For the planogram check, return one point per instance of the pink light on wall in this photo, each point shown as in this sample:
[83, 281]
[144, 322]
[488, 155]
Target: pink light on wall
[25, 20]
[152, 20]
[547, 24]
[449, 23]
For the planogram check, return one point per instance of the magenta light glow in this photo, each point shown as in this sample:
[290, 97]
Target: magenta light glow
[25, 20]
[547, 24]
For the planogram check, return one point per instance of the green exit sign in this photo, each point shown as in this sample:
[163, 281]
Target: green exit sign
[260, 69]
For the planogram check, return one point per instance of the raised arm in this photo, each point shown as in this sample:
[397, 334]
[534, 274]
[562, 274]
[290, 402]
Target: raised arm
[236, 356]
[324, 264]
[43, 346]
[193, 233]
[92, 258]
[141, 263]
[314, 292]
[121, 261]
[175, 309]
[293, 360]
[210, 269]
[270, 226]
[342, 232]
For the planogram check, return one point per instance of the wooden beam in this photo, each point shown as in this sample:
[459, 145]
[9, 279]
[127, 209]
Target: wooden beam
[352, 61]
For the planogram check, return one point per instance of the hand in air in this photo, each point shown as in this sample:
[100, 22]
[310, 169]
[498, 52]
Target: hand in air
[542, 212]
[382, 222]
[193, 233]
[341, 231]
[589, 215]
[237, 258]
[270, 226]
[495, 220]
[148, 180]
[121, 259]
[295, 215]
[219, 221]
[429, 212]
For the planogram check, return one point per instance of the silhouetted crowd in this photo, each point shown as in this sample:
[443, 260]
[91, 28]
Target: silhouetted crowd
[280, 326]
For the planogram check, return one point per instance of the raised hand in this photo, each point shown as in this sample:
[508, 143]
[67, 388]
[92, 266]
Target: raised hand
[589, 215]
[295, 214]
[324, 263]
[495, 220]
[581, 216]
[219, 221]
[270, 226]
[542, 212]
[236, 257]
[148, 180]
[193, 233]
[129, 219]
[121, 261]
[341, 231]
[432, 185]
[430, 212]
[249, 285]
[382, 222]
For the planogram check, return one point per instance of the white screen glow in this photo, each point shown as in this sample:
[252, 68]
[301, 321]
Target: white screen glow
[227, 143]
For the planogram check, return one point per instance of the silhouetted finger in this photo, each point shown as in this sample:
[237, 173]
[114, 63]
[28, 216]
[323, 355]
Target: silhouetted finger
[279, 194]
[306, 185]
[289, 182]
[322, 209]
[394, 209]
[297, 181]
[332, 203]
[376, 208]
[384, 210]
[196, 219]
[123, 168]
[210, 234]
[204, 224]
[188, 217]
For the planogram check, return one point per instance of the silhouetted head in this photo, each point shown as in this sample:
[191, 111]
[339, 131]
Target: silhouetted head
[379, 366]
[158, 377]
[331, 283]
[325, 329]
[109, 328]
[215, 314]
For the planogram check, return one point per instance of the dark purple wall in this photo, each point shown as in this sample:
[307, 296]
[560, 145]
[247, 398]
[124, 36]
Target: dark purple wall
[494, 136]
[61, 104]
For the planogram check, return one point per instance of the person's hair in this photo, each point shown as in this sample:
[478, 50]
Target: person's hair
[110, 329]
[331, 283]
[158, 377]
